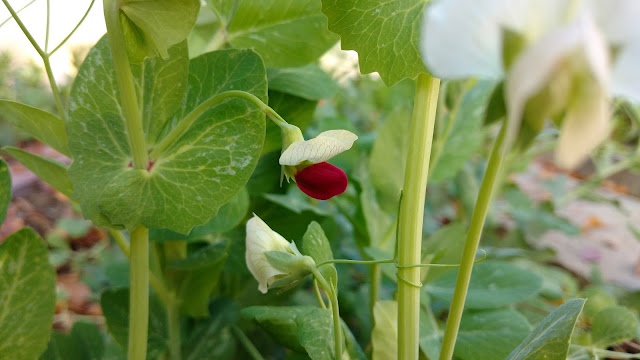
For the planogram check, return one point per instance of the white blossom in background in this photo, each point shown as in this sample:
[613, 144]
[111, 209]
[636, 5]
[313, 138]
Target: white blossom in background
[582, 52]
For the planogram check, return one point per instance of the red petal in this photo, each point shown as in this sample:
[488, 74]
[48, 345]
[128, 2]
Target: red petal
[322, 181]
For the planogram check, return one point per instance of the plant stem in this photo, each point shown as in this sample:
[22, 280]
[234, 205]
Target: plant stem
[188, 120]
[173, 313]
[54, 87]
[374, 288]
[471, 246]
[411, 214]
[139, 294]
[126, 85]
[246, 343]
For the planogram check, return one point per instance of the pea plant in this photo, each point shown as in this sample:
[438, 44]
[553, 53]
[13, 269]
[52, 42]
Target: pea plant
[185, 133]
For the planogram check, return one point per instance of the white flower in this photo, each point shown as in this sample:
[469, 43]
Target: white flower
[578, 53]
[260, 240]
[319, 149]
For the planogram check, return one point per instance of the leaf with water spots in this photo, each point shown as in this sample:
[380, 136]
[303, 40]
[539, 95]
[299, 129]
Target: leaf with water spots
[191, 178]
[27, 296]
[316, 245]
[383, 32]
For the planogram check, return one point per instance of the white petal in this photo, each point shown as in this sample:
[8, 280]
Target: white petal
[618, 19]
[535, 66]
[260, 238]
[585, 126]
[463, 38]
[321, 148]
[626, 74]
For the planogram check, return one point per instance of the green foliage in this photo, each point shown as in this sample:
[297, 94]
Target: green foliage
[196, 175]
[613, 325]
[212, 338]
[5, 189]
[49, 170]
[27, 296]
[490, 335]
[493, 284]
[280, 322]
[308, 82]
[151, 27]
[83, 342]
[115, 306]
[385, 332]
[315, 332]
[40, 124]
[384, 33]
[316, 245]
[273, 29]
[551, 337]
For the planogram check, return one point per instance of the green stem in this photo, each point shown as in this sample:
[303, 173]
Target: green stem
[471, 246]
[126, 85]
[139, 294]
[374, 288]
[173, 313]
[318, 294]
[54, 87]
[246, 343]
[74, 29]
[411, 214]
[188, 120]
[335, 310]
[17, 12]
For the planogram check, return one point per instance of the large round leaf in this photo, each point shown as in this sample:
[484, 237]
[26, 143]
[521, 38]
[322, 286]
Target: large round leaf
[189, 181]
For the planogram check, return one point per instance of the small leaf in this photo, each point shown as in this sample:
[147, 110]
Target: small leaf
[51, 171]
[316, 245]
[211, 338]
[83, 342]
[115, 306]
[309, 82]
[384, 33]
[280, 322]
[493, 284]
[490, 335]
[5, 190]
[384, 337]
[40, 124]
[613, 325]
[151, 27]
[552, 336]
[27, 296]
[315, 331]
[286, 33]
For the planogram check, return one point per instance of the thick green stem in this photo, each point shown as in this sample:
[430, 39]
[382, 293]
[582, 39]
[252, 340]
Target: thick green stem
[188, 120]
[173, 313]
[411, 213]
[139, 294]
[471, 246]
[126, 85]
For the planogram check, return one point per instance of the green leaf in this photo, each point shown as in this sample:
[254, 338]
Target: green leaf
[296, 201]
[204, 257]
[212, 338]
[83, 342]
[229, 215]
[286, 33]
[280, 322]
[493, 284]
[430, 335]
[551, 337]
[115, 306]
[462, 135]
[490, 335]
[351, 344]
[308, 82]
[151, 27]
[27, 296]
[445, 246]
[613, 325]
[384, 337]
[316, 245]
[386, 163]
[51, 171]
[196, 175]
[315, 331]
[40, 124]
[5, 190]
[385, 33]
